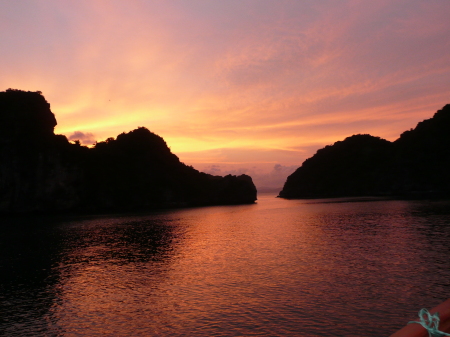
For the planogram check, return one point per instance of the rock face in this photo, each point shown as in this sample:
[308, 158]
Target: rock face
[25, 116]
[44, 172]
[414, 166]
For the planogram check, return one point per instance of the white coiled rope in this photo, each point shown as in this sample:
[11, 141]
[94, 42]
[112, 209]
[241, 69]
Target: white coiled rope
[431, 323]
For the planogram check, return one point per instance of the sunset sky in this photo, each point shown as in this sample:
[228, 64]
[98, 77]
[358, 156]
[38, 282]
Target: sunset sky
[248, 86]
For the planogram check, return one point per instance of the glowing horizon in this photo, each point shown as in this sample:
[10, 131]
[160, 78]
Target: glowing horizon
[237, 86]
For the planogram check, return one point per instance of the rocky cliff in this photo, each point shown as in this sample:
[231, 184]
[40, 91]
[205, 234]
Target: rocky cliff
[414, 166]
[44, 172]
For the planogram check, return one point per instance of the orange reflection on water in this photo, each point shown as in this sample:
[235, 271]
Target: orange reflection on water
[276, 268]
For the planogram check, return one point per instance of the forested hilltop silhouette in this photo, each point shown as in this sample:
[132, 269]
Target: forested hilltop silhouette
[44, 172]
[417, 165]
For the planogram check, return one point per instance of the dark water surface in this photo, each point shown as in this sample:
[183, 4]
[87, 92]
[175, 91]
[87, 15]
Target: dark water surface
[276, 268]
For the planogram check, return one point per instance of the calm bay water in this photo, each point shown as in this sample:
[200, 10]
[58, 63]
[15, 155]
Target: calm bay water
[276, 268]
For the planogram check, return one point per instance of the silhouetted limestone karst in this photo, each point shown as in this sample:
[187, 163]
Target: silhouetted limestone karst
[423, 157]
[40, 171]
[415, 165]
[138, 170]
[354, 166]
[25, 116]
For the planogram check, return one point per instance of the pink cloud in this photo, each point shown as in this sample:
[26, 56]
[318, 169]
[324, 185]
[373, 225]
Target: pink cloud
[271, 80]
[84, 138]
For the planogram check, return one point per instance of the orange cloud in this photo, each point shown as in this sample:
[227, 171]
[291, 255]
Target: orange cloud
[264, 83]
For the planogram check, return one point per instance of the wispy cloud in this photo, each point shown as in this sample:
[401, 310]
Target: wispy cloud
[268, 81]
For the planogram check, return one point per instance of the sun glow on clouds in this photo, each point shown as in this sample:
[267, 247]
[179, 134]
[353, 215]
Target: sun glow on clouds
[242, 85]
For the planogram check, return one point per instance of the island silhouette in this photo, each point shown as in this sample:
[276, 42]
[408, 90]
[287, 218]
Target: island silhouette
[44, 172]
[416, 165]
